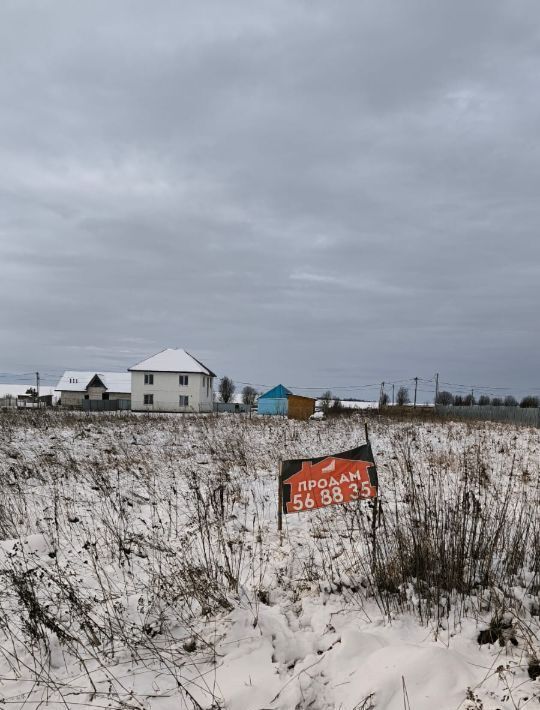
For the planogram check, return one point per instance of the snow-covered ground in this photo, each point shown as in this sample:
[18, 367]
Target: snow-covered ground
[141, 567]
[353, 404]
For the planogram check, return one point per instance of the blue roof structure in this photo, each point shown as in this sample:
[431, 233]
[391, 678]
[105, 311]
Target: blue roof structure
[278, 392]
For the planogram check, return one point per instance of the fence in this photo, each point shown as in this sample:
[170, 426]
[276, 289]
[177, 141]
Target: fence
[11, 402]
[105, 405]
[231, 407]
[513, 415]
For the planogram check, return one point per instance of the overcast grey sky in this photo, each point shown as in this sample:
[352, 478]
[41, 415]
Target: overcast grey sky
[301, 191]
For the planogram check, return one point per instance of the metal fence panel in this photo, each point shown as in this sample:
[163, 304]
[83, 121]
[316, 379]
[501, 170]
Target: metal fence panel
[231, 407]
[106, 405]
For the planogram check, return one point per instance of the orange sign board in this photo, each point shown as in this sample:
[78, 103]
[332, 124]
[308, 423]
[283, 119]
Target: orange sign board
[329, 481]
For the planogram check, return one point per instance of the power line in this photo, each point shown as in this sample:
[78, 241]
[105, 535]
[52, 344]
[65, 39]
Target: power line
[490, 388]
[29, 378]
[325, 387]
[298, 387]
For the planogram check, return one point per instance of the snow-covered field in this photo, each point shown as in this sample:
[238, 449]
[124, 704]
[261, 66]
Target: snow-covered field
[140, 567]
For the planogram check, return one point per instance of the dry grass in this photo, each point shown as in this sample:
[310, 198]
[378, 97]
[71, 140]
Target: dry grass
[152, 526]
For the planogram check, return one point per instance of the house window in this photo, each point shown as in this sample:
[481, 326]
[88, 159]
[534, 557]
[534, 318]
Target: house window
[183, 400]
[183, 380]
[149, 399]
[148, 378]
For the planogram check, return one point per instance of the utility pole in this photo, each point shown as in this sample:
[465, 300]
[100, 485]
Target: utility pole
[381, 395]
[393, 385]
[436, 388]
[37, 387]
[415, 390]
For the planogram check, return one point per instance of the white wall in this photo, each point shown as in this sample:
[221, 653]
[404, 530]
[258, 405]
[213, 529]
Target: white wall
[166, 390]
[71, 399]
[119, 395]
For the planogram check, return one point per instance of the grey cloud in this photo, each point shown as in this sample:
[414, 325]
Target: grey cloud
[294, 191]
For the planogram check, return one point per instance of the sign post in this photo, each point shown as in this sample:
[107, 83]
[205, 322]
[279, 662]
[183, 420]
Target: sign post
[280, 502]
[375, 513]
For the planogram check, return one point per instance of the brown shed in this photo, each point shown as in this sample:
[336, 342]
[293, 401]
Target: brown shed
[300, 407]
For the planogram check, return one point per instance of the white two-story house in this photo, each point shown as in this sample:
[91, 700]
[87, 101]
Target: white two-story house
[171, 381]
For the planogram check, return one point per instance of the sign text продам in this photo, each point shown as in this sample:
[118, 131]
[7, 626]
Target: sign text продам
[306, 484]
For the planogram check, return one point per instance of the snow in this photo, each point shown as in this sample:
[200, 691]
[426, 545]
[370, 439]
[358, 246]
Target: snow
[172, 360]
[16, 390]
[77, 381]
[101, 512]
[356, 404]
[353, 404]
[350, 404]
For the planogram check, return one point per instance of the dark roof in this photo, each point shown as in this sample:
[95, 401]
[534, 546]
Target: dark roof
[96, 381]
[212, 374]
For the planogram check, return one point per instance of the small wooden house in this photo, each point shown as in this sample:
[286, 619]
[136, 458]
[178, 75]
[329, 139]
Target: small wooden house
[281, 401]
[300, 407]
[275, 401]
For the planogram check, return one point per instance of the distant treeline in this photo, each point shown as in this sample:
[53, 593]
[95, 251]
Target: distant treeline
[458, 400]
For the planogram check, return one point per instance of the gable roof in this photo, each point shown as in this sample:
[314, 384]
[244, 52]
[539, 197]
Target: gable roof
[97, 381]
[278, 392]
[172, 360]
[76, 381]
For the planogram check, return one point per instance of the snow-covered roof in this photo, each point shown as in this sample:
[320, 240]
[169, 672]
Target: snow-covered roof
[74, 381]
[172, 360]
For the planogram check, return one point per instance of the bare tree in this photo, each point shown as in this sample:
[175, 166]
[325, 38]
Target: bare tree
[469, 400]
[445, 398]
[226, 389]
[484, 400]
[510, 401]
[384, 399]
[337, 406]
[496, 402]
[249, 395]
[326, 401]
[529, 402]
[402, 396]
